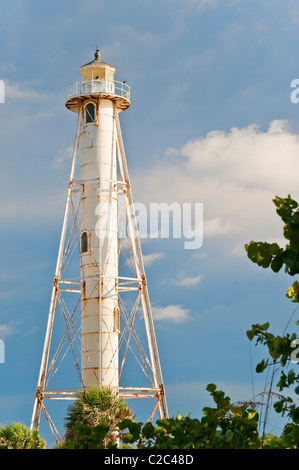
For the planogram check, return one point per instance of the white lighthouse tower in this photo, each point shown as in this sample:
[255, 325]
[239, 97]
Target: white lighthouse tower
[98, 322]
[99, 224]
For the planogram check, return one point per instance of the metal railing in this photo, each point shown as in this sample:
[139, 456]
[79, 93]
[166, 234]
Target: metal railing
[97, 86]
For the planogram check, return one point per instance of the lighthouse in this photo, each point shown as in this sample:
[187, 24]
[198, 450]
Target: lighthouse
[100, 102]
[98, 323]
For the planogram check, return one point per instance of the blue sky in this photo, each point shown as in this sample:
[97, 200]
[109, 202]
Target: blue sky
[210, 121]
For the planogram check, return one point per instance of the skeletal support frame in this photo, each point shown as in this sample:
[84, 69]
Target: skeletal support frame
[156, 389]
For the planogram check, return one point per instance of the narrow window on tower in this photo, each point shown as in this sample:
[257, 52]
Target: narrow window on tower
[116, 320]
[84, 242]
[90, 112]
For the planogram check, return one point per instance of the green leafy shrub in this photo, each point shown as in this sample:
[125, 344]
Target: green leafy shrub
[19, 436]
[228, 426]
[92, 419]
[281, 348]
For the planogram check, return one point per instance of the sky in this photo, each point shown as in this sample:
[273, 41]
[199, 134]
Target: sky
[211, 121]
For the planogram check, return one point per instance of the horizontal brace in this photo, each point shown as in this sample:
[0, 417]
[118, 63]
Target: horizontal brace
[103, 276]
[56, 397]
[60, 394]
[128, 395]
[69, 282]
[65, 289]
[93, 180]
[127, 289]
[128, 392]
[140, 389]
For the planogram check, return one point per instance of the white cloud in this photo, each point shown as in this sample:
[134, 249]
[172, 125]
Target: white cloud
[146, 38]
[16, 91]
[188, 281]
[173, 313]
[235, 174]
[171, 152]
[248, 156]
[151, 258]
[200, 256]
[63, 156]
[202, 4]
[262, 26]
[216, 226]
[7, 330]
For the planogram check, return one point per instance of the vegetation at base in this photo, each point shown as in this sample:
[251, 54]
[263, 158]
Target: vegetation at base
[271, 255]
[226, 426]
[92, 420]
[281, 349]
[19, 436]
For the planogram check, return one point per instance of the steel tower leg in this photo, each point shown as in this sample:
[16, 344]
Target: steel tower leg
[35, 420]
[139, 266]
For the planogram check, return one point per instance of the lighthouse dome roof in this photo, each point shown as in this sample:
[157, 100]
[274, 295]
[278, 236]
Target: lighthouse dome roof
[97, 62]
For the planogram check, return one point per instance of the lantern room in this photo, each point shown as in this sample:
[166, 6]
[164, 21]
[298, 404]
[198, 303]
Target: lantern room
[97, 70]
